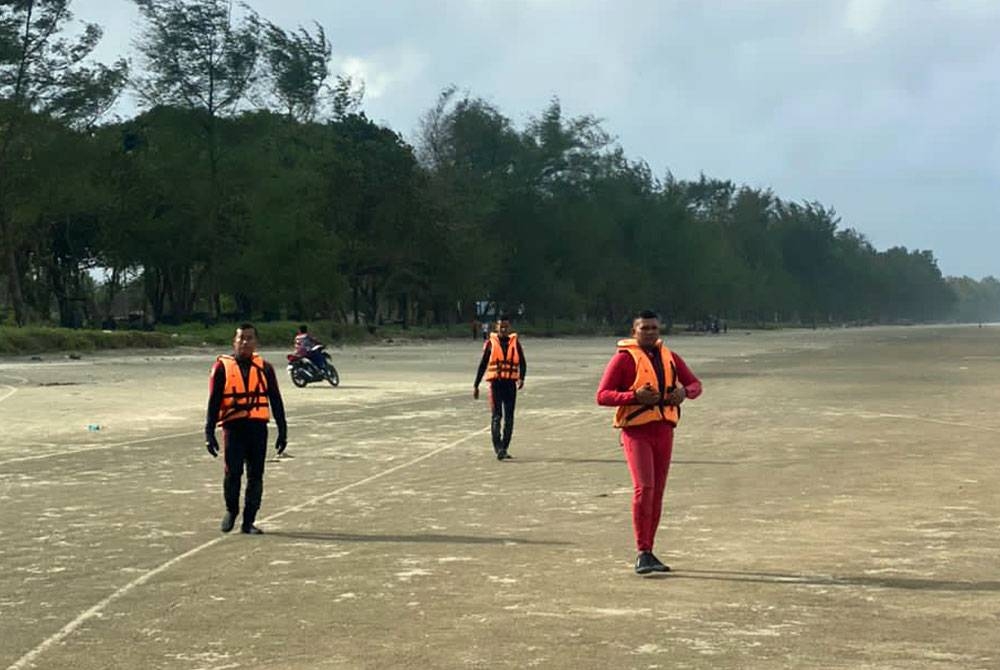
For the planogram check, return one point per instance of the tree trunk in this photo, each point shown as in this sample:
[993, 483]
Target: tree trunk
[13, 274]
[155, 292]
[112, 288]
[354, 299]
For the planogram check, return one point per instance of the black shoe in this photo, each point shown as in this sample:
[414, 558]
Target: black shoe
[251, 530]
[658, 566]
[506, 454]
[502, 454]
[228, 521]
[644, 563]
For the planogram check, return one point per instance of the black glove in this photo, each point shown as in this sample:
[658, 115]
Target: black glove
[212, 445]
[280, 444]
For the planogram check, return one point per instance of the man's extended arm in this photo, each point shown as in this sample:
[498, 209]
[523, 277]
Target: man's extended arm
[216, 387]
[275, 401]
[482, 364]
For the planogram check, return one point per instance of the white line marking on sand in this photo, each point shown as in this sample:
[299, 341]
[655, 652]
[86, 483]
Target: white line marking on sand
[321, 498]
[90, 613]
[113, 445]
[68, 629]
[22, 380]
[909, 417]
[832, 411]
[11, 390]
[96, 447]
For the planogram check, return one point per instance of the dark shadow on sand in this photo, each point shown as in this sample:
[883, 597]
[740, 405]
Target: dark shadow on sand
[763, 461]
[568, 461]
[313, 386]
[616, 461]
[905, 583]
[733, 374]
[403, 539]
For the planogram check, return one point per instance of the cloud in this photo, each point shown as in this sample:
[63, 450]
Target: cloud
[884, 109]
[862, 16]
[382, 71]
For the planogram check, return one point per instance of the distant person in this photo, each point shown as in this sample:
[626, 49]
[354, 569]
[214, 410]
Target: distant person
[304, 342]
[504, 366]
[243, 393]
[647, 383]
[486, 330]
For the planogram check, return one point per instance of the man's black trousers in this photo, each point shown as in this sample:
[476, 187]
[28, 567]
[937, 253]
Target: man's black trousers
[503, 397]
[245, 444]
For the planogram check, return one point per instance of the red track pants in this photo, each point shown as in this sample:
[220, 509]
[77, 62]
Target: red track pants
[647, 450]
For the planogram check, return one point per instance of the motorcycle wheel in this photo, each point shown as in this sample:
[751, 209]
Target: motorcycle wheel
[332, 375]
[299, 377]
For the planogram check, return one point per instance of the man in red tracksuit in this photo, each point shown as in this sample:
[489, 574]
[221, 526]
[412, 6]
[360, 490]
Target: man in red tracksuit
[647, 383]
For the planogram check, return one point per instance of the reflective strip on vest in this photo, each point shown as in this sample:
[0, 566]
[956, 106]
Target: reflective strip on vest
[503, 364]
[636, 415]
[244, 399]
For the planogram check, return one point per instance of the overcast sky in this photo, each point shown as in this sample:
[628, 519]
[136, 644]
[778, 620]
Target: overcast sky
[887, 110]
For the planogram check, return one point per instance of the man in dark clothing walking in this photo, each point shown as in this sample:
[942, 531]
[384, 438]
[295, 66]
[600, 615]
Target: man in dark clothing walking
[504, 365]
[243, 392]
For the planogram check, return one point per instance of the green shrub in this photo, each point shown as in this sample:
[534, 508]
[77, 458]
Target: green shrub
[271, 334]
[38, 339]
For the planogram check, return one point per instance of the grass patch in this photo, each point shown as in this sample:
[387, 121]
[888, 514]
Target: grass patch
[39, 339]
[274, 334]
[270, 334]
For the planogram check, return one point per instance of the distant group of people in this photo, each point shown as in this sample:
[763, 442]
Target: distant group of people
[644, 381]
[712, 324]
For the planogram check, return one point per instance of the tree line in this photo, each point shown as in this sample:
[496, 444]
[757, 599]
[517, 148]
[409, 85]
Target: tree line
[250, 183]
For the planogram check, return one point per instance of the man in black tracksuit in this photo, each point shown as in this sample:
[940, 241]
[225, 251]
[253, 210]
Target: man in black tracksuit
[243, 395]
[504, 366]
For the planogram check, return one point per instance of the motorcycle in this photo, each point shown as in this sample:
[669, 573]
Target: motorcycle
[303, 371]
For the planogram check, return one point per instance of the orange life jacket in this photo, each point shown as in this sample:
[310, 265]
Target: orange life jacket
[503, 364]
[635, 415]
[244, 400]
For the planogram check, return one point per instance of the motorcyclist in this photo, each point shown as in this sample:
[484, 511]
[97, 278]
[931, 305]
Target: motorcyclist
[304, 344]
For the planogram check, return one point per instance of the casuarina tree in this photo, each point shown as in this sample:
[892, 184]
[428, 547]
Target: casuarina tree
[43, 72]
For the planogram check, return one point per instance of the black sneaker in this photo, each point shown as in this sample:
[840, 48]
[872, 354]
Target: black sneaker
[228, 521]
[506, 454]
[658, 566]
[644, 563]
[251, 530]
[502, 454]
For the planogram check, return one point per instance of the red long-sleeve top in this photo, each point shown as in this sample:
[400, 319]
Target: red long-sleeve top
[614, 389]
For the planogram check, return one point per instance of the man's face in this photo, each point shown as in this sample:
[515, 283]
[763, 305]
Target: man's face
[503, 328]
[646, 331]
[245, 342]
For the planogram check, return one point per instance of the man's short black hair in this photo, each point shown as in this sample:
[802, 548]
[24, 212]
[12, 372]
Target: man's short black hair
[246, 325]
[503, 317]
[303, 328]
[647, 314]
